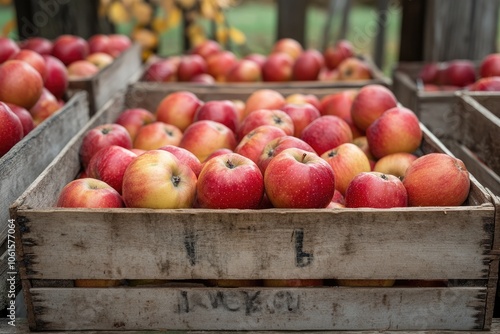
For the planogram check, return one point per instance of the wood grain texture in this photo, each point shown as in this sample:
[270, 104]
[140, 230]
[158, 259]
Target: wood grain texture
[258, 308]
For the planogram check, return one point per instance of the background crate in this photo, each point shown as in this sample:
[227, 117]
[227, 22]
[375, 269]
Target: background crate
[446, 243]
[111, 79]
[27, 159]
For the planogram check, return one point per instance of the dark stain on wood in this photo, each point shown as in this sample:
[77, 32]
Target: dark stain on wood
[302, 259]
[119, 324]
[190, 239]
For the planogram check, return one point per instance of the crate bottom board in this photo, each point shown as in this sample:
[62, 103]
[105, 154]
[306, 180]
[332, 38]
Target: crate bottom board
[335, 308]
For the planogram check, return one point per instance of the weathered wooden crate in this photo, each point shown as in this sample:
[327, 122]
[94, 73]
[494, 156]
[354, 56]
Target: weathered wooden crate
[477, 138]
[29, 158]
[378, 77]
[58, 246]
[111, 79]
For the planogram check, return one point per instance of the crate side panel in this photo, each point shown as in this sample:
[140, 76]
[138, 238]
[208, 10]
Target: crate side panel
[259, 308]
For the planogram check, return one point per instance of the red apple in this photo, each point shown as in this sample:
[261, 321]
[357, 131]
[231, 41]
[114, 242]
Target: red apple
[354, 69]
[375, 190]
[219, 64]
[300, 98]
[253, 143]
[34, 59]
[81, 69]
[397, 130]
[99, 59]
[289, 46]
[162, 70]
[20, 83]
[230, 181]
[203, 78]
[338, 104]
[308, 65]
[395, 164]
[89, 193]
[347, 160]
[257, 58]
[70, 48]
[335, 54]
[101, 137]
[185, 157]
[190, 66]
[489, 84]
[240, 109]
[109, 165]
[326, 133]
[362, 143]
[56, 80]
[278, 67]
[429, 73]
[490, 66]
[460, 73]
[264, 99]
[24, 116]
[302, 115]
[222, 111]
[157, 180]
[217, 152]
[244, 71]
[437, 179]
[46, 105]
[206, 48]
[133, 119]
[370, 103]
[178, 108]
[99, 43]
[155, 135]
[326, 75]
[11, 129]
[338, 197]
[299, 179]
[278, 145]
[118, 43]
[260, 117]
[8, 48]
[202, 138]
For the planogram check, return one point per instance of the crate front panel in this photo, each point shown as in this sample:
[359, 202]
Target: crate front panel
[334, 308]
[447, 243]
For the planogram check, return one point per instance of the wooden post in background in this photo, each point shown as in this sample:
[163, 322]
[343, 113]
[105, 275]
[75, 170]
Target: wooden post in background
[292, 20]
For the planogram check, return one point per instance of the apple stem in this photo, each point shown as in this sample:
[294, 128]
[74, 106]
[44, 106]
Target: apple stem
[105, 131]
[384, 177]
[176, 180]
[230, 164]
[303, 156]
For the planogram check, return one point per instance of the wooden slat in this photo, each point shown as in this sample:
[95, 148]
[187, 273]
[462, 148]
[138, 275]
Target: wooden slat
[258, 308]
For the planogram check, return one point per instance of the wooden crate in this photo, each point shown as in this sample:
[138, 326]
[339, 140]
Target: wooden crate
[378, 78]
[29, 158]
[57, 246]
[111, 79]
[477, 140]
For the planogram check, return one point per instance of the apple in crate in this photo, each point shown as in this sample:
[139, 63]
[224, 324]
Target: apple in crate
[56, 80]
[244, 70]
[338, 104]
[375, 190]
[335, 54]
[300, 98]
[370, 103]
[40, 45]
[185, 157]
[354, 69]
[299, 179]
[289, 46]
[202, 138]
[89, 193]
[302, 115]
[275, 117]
[100, 59]
[11, 129]
[491, 84]
[308, 65]
[24, 116]
[81, 69]
[203, 78]
[98, 43]
[437, 179]
[219, 64]
[178, 108]
[158, 180]
[278, 145]
[230, 181]
[20, 83]
[459, 73]
[46, 105]
[347, 160]
[397, 130]
[326, 133]
[118, 43]
[253, 143]
[490, 66]
[8, 48]
[190, 66]
[133, 119]
[109, 165]
[257, 58]
[206, 48]
[222, 111]
[264, 99]
[163, 70]
[429, 73]
[155, 135]
[278, 67]
[395, 164]
[101, 137]
[34, 59]
[70, 48]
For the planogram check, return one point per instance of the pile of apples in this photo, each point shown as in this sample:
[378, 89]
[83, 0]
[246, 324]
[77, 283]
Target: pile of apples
[35, 74]
[351, 148]
[209, 63]
[462, 74]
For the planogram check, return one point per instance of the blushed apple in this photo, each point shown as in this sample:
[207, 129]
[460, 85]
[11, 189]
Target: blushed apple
[11, 129]
[219, 64]
[155, 135]
[299, 179]
[260, 117]
[395, 164]
[252, 144]
[326, 133]
[490, 66]
[206, 48]
[437, 179]
[278, 67]
[70, 48]
[24, 116]
[370, 103]
[460, 73]
[338, 104]
[300, 98]
[203, 78]
[8, 48]
[354, 69]
[489, 84]
[178, 108]
[81, 69]
[257, 58]
[278, 145]
[230, 181]
[157, 180]
[302, 115]
[264, 99]
[222, 111]
[56, 80]
[46, 105]
[118, 43]
[134, 118]
[362, 143]
[244, 71]
[98, 43]
[185, 157]
[289, 46]
[190, 66]
[20, 83]
[375, 190]
[89, 193]
[307, 65]
[336, 53]
[34, 59]
[397, 130]
[99, 59]
[162, 70]
[429, 73]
